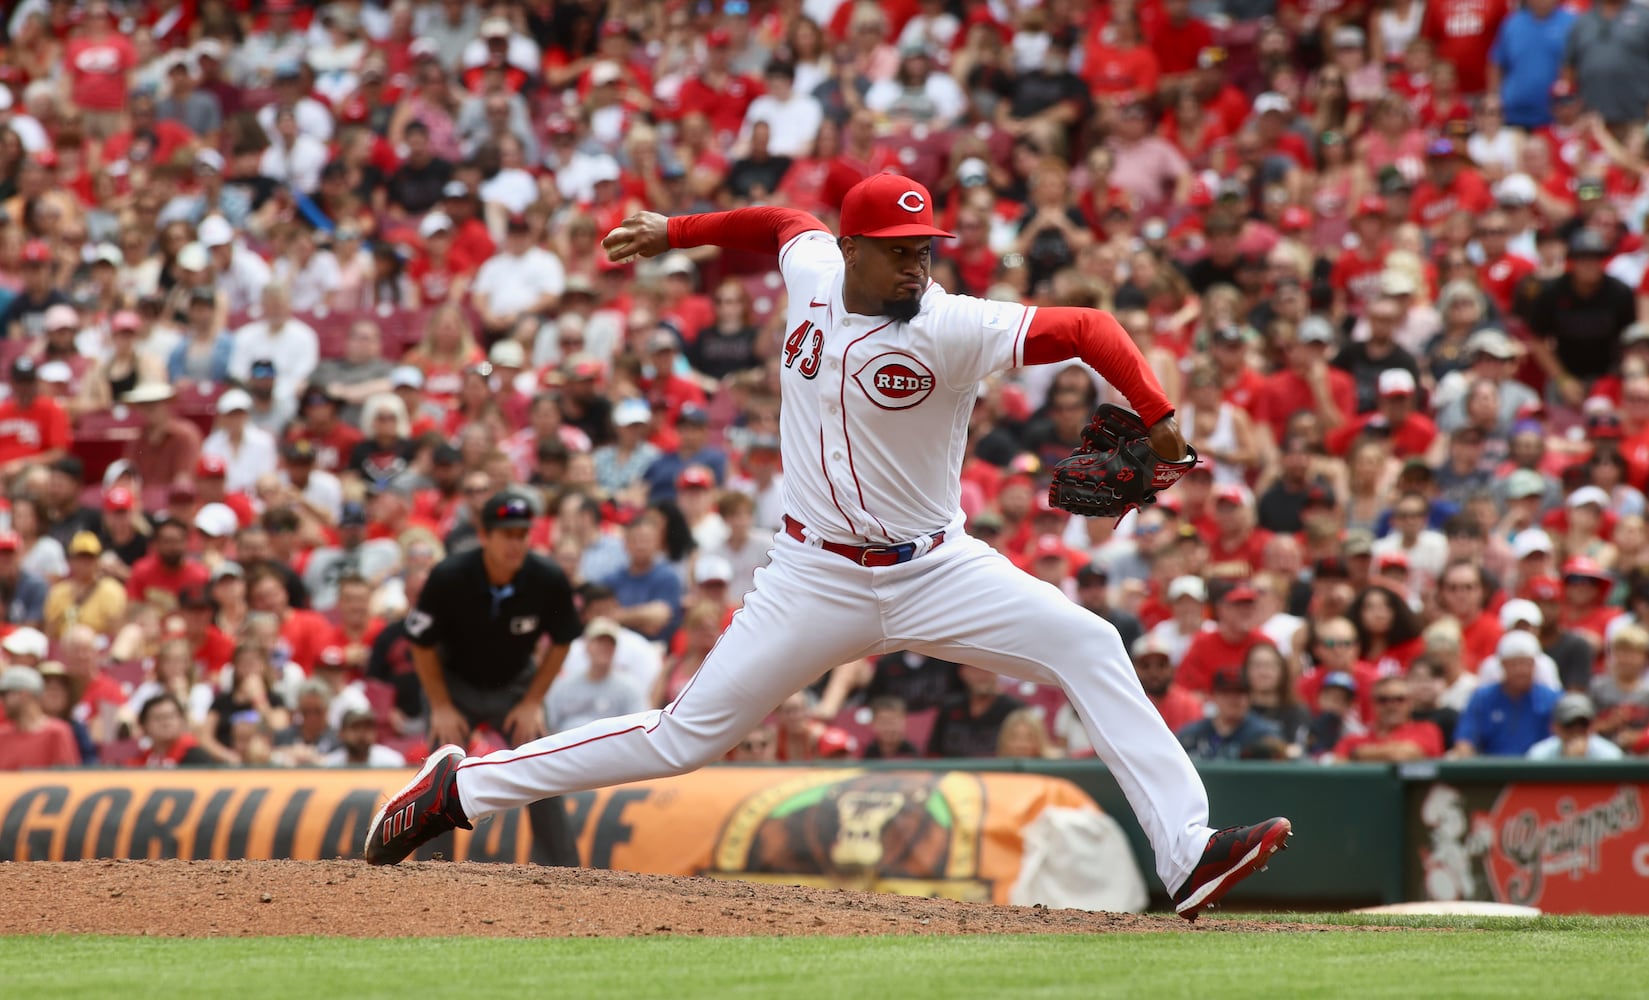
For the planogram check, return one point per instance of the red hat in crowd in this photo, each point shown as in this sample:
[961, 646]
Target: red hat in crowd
[1371, 204]
[888, 206]
[1391, 560]
[695, 477]
[1201, 195]
[37, 252]
[1542, 588]
[119, 498]
[9, 542]
[1294, 219]
[835, 741]
[211, 467]
[718, 39]
[1584, 568]
[1050, 547]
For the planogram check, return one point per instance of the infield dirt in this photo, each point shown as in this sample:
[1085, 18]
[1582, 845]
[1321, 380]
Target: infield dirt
[352, 899]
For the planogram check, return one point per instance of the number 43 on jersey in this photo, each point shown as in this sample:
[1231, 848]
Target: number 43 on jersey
[793, 347]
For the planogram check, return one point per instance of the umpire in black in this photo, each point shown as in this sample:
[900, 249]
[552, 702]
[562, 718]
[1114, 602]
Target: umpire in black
[479, 622]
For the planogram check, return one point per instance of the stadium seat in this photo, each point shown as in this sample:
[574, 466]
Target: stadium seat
[119, 753]
[766, 292]
[101, 438]
[128, 674]
[855, 722]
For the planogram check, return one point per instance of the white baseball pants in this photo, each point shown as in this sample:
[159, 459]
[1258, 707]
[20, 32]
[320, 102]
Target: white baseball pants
[813, 610]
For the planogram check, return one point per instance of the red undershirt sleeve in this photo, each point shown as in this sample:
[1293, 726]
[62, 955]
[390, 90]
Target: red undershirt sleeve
[756, 230]
[1060, 333]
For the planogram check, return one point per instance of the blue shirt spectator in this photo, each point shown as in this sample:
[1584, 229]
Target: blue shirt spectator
[648, 588]
[1506, 719]
[1529, 54]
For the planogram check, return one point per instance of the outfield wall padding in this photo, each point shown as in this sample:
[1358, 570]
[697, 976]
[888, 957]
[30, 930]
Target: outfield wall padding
[1565, 837]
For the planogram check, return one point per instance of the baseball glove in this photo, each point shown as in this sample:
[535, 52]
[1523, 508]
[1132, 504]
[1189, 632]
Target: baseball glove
[1115, 470]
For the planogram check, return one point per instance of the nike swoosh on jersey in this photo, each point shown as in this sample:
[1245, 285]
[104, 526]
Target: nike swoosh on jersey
[816, 305]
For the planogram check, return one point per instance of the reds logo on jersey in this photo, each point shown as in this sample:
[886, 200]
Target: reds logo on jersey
[895, 381]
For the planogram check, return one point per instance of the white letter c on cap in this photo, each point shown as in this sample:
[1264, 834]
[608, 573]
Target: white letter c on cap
[912, 201]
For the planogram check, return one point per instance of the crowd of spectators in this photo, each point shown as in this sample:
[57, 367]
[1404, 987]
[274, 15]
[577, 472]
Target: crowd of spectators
[286, 291]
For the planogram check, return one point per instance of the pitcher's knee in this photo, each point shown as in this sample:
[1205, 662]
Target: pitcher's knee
[682, 750]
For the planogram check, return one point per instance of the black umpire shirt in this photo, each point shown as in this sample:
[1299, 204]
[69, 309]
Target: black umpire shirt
[485, 634]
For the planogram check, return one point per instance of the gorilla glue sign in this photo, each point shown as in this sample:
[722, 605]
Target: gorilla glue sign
[1564, 848]
[930, 833]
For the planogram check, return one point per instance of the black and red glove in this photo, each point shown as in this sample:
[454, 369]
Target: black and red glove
[1115, 470]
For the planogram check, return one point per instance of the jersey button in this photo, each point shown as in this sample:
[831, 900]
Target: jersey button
[836, 455]
[831, 408]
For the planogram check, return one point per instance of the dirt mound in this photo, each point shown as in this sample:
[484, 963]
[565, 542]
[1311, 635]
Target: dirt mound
[348, 898]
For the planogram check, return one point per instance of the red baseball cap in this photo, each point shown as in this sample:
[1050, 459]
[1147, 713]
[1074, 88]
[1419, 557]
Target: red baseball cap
[835, 741]
[1294, 219]
[718, 38]
[37, 252]
[9, 542]
[1371, 204]
[1050, 546]
[1201, 195]
[888, 206]
[1585, 568]
[119, 498]
[211, 467]
[1542, 588]
[1045, 506]
[695, 476]
[1391, 560]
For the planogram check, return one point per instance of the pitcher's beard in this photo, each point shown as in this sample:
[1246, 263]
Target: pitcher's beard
[902, 310]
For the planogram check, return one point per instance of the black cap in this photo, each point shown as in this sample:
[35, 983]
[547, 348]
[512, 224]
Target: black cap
[1093, 573]
[446, 454]
[193, 597]
[23, 369]
[1319, 495]
[507, 509]
[694, 414]
[300, 451]
[353, 515]
[1588, 243]
[204, 295]
[1331, 568]
[70, 466]
[1230, 680]
[263, 368]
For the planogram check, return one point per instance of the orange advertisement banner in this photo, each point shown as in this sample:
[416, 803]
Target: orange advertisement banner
[930, 833]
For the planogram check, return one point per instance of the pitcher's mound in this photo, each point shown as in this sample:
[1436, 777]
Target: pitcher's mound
[349, 898]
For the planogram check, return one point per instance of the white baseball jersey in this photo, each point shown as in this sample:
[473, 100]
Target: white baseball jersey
[875, 414]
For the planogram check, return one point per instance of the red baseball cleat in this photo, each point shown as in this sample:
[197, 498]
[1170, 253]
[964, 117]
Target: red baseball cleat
[426, 808]
[1232, 855]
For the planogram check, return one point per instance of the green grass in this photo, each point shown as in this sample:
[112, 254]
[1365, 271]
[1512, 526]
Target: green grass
[1459, 957]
